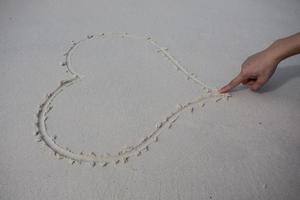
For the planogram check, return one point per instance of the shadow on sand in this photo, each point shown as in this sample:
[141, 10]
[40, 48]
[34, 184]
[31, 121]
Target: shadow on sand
[282, 75]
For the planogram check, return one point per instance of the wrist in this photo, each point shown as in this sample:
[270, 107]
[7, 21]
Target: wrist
[276, 51]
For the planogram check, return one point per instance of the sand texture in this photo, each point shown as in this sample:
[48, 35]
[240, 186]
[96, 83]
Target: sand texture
[117, 100]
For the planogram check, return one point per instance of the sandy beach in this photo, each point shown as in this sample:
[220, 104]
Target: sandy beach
[117, 100]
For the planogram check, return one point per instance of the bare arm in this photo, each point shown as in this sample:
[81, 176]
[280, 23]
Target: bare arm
[258, 68]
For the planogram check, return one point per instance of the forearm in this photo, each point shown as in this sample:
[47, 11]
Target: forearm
[285, 47]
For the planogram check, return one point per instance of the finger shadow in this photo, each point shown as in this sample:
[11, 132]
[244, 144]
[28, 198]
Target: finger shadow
[239, 88]
[282, 76]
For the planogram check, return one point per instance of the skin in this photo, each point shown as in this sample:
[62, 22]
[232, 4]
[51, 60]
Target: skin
[259, 68]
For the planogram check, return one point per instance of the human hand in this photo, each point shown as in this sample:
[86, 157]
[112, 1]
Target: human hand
[255, 71]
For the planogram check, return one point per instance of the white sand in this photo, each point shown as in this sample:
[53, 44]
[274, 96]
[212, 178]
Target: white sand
[245, 148]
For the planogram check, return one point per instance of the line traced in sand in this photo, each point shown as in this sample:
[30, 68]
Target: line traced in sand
[130, 151]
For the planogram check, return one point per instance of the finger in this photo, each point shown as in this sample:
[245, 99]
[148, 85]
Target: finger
[250, 83]
[232, 84]
[258, 84]
[255, 86]
[245, 82]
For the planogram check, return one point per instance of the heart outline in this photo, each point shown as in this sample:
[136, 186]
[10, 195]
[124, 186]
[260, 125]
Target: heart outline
[135, 150]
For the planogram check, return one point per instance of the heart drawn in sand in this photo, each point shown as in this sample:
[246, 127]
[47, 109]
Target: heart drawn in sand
[130, 151]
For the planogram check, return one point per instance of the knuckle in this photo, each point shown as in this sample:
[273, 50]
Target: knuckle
[255, 87]
[244, 73]
[247, 63]
[260, 81]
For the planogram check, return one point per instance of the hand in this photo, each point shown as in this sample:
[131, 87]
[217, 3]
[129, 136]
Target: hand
[255, 72]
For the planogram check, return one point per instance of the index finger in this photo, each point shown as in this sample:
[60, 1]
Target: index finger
[232, 84]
